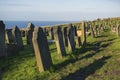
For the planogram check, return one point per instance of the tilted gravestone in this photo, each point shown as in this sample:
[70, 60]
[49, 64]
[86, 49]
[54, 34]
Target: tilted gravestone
[9, 37]
[51, 33]
[29, 33]
[118, 30]
[65, 38]
[71, 36]
[17, 38]
[2, 39]
[59, 42]
[92, 31]
[77, 42]
[75, 30]
[96, 30]
[83, 36]
[41, 49]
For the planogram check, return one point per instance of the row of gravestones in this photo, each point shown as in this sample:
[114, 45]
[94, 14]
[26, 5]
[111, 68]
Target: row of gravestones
[65, 36]
[62, 39]
[13, 40]
[116, 29]
[102, 24]
[39, 41]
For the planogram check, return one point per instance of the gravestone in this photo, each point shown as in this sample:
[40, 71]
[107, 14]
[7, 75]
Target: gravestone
[29, 33]
[71, 35]
[51, 33]
[17, 38]
[41, 49]
[77, 42]
[9, 37]
[118, 30]
[75, 31]
[59, 42]
[65, 38]
[83, 36]
[92, 32]
[2, 39]
[99, 29]
[96, 30]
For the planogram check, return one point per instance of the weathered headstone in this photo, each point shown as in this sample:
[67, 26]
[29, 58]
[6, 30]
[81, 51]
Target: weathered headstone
[83, 36]
[51, 33]
[59, 42]
[75, 31]
[77, 42]
[92, 32]
[2, 39]
[118, 30]
[65, 38]
[71, 35]
[9, 37]
[17, 37]
[29, 34]
[96, 30]
[41, 49]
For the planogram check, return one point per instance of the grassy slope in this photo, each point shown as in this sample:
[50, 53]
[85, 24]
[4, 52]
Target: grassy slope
[100, 60]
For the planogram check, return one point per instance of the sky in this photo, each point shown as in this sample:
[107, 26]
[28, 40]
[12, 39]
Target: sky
[58, 10]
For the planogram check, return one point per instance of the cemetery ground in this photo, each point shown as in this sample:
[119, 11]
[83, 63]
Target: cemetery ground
[99, 60]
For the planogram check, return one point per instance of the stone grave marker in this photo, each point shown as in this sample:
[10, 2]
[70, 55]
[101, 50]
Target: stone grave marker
[2, 39]
[17, 38]
[59, 42]
[41, 49]
[71, 36]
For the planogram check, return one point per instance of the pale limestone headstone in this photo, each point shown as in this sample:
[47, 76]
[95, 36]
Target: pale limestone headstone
[59, 42]
[41, 49]
[77, 42]
[2, 39]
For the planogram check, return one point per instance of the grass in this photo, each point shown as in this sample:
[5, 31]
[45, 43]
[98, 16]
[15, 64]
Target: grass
[100, 60]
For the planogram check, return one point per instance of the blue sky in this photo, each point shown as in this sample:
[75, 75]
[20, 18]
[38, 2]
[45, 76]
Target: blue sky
[60, 10]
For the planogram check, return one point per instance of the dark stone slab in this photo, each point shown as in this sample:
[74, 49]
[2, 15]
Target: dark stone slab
[41, 49]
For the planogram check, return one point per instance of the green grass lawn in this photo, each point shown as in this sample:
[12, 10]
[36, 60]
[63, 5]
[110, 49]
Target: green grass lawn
[100, 60]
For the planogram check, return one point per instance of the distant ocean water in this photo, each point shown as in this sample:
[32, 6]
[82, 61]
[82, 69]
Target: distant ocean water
[23, 24]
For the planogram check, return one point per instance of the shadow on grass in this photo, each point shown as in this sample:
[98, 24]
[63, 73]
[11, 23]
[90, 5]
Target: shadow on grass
[84, 72]
[94, 47]
[12, 60]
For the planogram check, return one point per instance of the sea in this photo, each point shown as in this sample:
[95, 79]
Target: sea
[23, 24]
